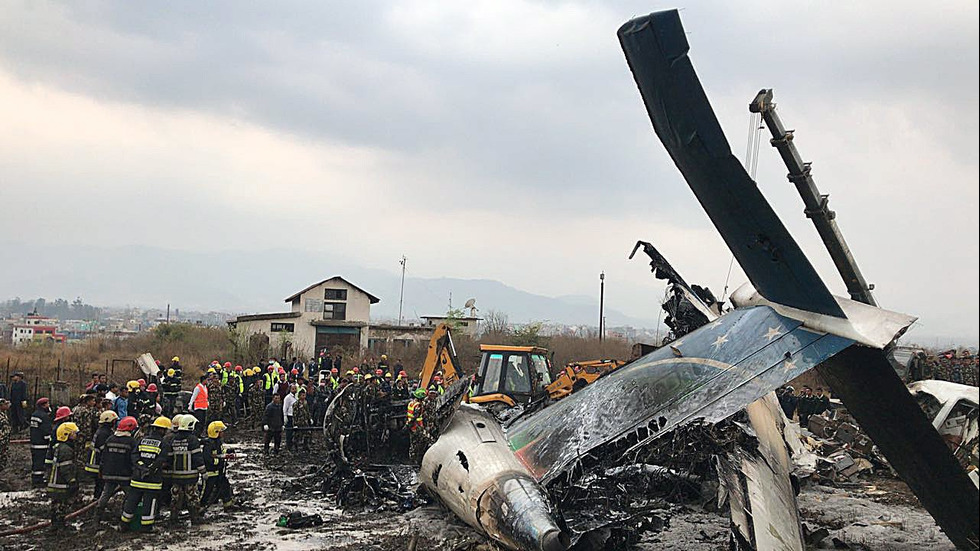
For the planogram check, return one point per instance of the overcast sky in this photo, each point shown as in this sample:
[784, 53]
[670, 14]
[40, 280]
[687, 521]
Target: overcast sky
[499, 140]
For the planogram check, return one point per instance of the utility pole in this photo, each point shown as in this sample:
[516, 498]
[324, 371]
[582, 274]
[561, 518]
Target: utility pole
[168, 313]
[602, 297]
[401, 295]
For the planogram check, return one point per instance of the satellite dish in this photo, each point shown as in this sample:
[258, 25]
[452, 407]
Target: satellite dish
[471, 304]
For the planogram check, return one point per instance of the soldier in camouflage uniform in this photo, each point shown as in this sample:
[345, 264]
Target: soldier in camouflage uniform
[87, 419]
[256, 403]
[5, 430]
[215, 401]
[302, 418]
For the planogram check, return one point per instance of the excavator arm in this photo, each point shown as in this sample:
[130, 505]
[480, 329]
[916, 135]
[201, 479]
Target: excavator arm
[441, 356]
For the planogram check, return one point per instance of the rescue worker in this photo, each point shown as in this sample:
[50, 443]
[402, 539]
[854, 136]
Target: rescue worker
[41, 431]
[185, 464]
[385, 384]
[268, 383]
[200, 403]
[216, 485]
[18, 402]
[215, 398]
[302, 419]
[383, 364]
[6, 428]
[87, 420]
[256, 403]
[413, 422]
[62, 481]
[61, 415]
[147, 479]
[171, 390]
[436, 385]
[399, 390]
[116, 465]
[237, 406]
[272, 423]
[107, 424]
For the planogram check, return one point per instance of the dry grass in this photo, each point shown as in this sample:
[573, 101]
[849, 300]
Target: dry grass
[196, 346]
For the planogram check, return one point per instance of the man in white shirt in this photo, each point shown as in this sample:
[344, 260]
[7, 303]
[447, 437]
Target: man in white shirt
[287, 412]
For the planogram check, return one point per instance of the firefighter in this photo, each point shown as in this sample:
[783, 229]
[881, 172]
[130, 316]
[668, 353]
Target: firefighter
[62, 481]
[61, 415]
[107, 423]
[41, 431]
[116, 465]
[216, 485]
[184, 463]
[147, 479]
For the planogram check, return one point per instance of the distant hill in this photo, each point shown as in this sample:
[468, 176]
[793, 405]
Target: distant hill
[258, 281]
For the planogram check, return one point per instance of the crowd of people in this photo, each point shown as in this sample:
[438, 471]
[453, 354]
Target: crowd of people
[158, 440]
[802, 403]
[950, 365]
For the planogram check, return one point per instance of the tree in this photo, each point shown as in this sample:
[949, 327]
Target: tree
[495, 325]
[453, 317]
[528, 334]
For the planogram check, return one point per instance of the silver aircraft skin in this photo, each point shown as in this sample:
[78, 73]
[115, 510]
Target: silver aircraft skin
[473, 471]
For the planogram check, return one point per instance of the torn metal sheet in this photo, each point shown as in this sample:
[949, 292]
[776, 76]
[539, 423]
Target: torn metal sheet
[733, 361]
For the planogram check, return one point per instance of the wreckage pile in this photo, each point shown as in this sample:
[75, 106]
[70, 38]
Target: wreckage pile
[843, 450]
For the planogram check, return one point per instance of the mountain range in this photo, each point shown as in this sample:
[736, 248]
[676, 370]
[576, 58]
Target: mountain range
[258, 281]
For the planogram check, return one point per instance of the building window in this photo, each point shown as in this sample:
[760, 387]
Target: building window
[313, 305]
[335, 294]
[282, 328]
[334, 311]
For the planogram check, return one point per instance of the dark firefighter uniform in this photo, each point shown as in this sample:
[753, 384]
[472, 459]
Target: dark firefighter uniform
[40, 441]
[216, 485]
[117, 466]
[184, 465]
[147, 480]
[94, 463]
[62, 479]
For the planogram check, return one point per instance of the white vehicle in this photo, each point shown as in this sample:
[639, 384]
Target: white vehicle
[953, 409]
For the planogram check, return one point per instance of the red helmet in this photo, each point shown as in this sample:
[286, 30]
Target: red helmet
[41, 402]
[271, 369]
[379, 372]
[151, 388]
[402, 373]
[335, 370]
[294, 371]
[142, 382]
[227, 364]
[436, 378]
[128, 424]
[356, 370]
[157, 362]
[64, 412]
[238, 368]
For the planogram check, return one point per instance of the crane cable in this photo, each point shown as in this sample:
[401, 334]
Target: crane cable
[752, 143]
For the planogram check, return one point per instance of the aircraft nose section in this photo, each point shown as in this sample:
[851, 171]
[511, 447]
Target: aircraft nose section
[555, 540]
[516, 511]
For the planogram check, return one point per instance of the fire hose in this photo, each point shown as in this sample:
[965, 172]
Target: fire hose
[47, 523]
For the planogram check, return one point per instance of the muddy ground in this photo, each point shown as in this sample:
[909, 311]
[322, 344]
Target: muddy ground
[878, 514]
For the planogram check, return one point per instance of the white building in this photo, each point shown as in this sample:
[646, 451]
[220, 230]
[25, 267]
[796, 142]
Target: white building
[333, 312]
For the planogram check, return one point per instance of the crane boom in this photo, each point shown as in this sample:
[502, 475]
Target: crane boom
[816, 205]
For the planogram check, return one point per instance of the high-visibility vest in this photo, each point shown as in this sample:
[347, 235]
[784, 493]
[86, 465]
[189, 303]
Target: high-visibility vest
[268, 381]
[201, 400]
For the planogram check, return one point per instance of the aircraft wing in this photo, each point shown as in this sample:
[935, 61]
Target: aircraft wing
[711, 373]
